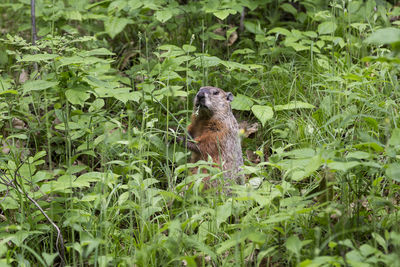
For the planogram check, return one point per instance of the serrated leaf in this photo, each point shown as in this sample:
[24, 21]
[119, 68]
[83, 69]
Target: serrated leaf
[37, 85]
[384, 36]
[293, 105]
[241, 102]
[115, 25]
[263, 113]
[327, 27]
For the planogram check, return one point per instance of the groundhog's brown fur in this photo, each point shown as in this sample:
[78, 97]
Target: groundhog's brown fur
[216, 131]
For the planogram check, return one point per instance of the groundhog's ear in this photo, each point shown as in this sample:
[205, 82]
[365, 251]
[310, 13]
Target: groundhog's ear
[229, 96]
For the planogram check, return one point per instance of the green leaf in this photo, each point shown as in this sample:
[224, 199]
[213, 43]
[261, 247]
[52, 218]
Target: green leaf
[263, 113]
[343, 166]
[289, 8]
[395, 138]
[223, 212]
[76, 96]
[241, 102]
[37, 85]
[327, 27]
[97, 52]
[124, 95]
[188, 48]
[384, 36]
[123, 198]
[294, 245]
[393, 171]
[37, 57]
[13, 92]
[223, 14]
[253, 27]
[293, 105]
[163, 15]
[206, 61]
[115, 25]
[298, 47]
[280, 30]
[358, 155]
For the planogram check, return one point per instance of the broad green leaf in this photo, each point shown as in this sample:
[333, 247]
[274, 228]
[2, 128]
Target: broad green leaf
[234, 65]
[327, 27]
[358, 155]
[49, 258]
[223, 14]
[76, 97]
[293, 244]
[123, 198]
[135, 4]
[395, 138]
[280, 30]
[223, 212]
[37, 85]
[241, 102]
[206, 61]
[393, 171]
[343, 166]
[298, 47]
[163, 15]
[124, 95]
[253, 27]
[37, 57]
[293, 105]
[384, 36]
[188, 48]
[114, 25]
[97, 104]
[263, 113]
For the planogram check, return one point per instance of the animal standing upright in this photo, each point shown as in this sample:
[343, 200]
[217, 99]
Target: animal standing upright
[215, 132]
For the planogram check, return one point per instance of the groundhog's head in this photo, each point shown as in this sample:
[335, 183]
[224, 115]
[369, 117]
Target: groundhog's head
[212, 100]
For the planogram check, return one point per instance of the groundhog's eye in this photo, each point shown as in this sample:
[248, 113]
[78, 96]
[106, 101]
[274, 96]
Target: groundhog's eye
[216, 93]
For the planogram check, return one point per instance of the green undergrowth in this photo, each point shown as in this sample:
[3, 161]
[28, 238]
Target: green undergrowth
[89, 116]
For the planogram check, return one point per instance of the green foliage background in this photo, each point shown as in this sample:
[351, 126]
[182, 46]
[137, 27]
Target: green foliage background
[89, 114]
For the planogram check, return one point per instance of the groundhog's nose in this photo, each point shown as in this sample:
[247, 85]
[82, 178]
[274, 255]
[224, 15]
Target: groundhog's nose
[201, 94]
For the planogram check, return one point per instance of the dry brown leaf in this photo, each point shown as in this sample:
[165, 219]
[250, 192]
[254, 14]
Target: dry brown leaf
[246, 129]
[23, 76]
[232, 38]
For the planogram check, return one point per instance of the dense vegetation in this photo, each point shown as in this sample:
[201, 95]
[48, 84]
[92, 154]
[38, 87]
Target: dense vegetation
[89, 114]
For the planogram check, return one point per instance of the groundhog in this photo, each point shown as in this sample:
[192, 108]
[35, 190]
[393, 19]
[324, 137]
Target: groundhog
[215, 132]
